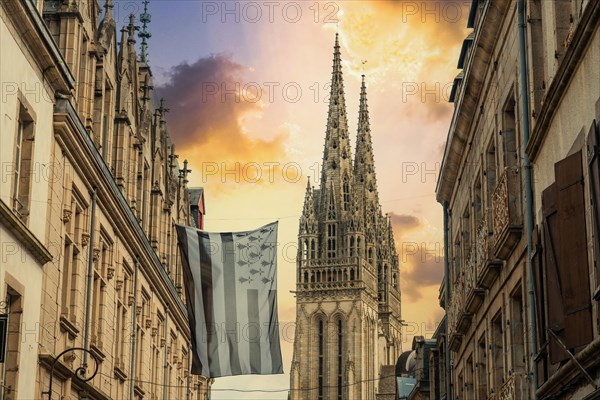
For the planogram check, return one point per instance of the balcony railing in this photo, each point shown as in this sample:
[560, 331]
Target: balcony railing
[487, 264]
[507, 212]
[515, 388]
[456, 312]
[336, 273]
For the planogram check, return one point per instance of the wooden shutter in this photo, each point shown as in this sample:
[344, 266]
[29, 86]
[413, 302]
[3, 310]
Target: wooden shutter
[573, 264]
[538, 276]
[593, 144]
[554, 302]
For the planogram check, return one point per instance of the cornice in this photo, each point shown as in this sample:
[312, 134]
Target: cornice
[90, 166]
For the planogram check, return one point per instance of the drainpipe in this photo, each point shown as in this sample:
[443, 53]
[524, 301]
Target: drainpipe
[90, 281]
[447, 303]
[528, 188]
[134, 331]
[165, 374]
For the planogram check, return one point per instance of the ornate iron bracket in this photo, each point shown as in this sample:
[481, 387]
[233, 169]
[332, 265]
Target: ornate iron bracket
[80, 373]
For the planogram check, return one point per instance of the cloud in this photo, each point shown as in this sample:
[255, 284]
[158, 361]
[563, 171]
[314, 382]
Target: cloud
[403, 221]
[421, 259]
[427, 271]
[210, 105]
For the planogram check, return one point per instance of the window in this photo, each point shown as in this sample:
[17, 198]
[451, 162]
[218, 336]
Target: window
[469, 378]
[305, 249]
[331, 240]
[156, 365]
[10, 368]
[481, 369]
[490, 171]
[340, 354]
[23, 164]
[509, 134]
[75, 239]
[466, 232]
[477, 202]
[497, 352]
[313, 249]
[102, 262]
[517, 331]
[321, 365]
[346, 189]
[124, 302]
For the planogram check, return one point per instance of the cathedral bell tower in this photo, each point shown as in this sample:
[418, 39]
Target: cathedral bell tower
[347, 297]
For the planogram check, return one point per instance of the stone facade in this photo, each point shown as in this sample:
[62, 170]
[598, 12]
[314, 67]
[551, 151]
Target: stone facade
[91, 189]
[348, 294]
[484, 188]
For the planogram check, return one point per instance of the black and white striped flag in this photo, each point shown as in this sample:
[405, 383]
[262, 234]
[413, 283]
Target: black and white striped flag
[231, 287]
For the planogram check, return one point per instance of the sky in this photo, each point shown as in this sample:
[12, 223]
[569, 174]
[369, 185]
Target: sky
[247, 84]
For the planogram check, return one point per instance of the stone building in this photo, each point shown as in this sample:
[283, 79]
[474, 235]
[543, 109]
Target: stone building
[519, 185]
[348, 294]
[91, 189]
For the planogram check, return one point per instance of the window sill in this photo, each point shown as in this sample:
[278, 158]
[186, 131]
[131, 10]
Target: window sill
[68, 326]
[9, 219]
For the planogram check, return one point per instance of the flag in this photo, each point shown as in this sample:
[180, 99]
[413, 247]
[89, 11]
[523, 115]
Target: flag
[231, 290]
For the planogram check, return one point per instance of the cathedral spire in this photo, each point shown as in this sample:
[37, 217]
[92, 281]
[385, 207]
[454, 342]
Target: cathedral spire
[364, 162]
[337, 164]
[144, 33]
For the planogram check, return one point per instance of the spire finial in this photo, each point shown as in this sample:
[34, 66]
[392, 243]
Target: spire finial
[145, 18]
[131, 28]
[108, 6]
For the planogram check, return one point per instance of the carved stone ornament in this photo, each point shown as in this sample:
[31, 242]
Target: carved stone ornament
[85, 239]
[67, 215]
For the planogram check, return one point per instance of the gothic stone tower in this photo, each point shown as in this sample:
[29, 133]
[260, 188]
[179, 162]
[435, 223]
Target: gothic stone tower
[348, 295]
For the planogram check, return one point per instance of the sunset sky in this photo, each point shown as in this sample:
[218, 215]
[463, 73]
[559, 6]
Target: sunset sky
[247, 86]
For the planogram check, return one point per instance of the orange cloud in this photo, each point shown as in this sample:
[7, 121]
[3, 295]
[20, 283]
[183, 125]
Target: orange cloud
[211, 102]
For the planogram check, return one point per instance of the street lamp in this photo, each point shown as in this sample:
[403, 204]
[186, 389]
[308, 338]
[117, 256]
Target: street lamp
[80, 373]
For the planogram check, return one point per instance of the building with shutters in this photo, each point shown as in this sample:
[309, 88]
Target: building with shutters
[90, 192]
[521, 166]
[348, 326]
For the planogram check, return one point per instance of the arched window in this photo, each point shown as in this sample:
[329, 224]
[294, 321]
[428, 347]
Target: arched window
[340, 353]
[321, 345]
[331, 241]
[313, 250]
[358, 243]
[305, 249]
[346, 193]
[351, 246]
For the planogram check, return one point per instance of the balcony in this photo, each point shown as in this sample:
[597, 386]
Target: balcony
[457, 318]
[473, 293]
[515, 388]
[488, 266]
[507, 212]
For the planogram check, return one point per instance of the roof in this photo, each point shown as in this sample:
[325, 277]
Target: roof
[195, 195]
[405, 385]
[405, 365]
